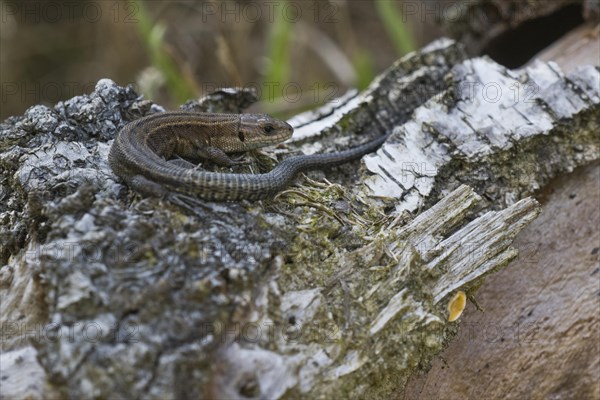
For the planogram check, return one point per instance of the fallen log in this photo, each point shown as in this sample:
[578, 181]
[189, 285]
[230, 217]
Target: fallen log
[337, 287]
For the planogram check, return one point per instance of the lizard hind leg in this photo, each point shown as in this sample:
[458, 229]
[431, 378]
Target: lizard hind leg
[183, 163]
[203, 209]
[193, 205]
[148, 187]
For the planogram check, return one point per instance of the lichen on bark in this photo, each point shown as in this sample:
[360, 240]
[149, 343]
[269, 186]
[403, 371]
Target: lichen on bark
[338, 286]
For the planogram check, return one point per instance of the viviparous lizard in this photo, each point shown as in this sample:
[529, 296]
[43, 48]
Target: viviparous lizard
[143, 150]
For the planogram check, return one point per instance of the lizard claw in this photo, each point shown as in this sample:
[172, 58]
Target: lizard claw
[239, 161]
[196, 206]
[191, 204]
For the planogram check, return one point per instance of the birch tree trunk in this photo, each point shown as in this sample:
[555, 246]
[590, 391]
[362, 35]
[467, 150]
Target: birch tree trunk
[337, 287]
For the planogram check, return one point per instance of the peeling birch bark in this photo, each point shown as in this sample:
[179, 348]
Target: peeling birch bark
[331, 289]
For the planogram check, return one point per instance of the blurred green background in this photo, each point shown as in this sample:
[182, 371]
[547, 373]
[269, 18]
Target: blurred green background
[298, 54]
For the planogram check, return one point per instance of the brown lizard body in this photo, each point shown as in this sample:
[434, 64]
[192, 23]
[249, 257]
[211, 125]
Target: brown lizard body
[140, 153]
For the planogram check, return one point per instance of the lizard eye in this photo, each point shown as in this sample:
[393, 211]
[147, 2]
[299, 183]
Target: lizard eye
[268, 129]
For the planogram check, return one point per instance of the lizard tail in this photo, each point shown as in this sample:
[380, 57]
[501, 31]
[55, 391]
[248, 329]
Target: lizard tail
[293, 165]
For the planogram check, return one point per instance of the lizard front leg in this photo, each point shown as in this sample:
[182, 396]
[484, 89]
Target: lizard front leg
[201, 150]
[216, 155]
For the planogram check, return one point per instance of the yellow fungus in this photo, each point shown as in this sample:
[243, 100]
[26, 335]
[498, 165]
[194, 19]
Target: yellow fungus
[456, 305]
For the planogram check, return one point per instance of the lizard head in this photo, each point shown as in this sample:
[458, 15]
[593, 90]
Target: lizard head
[259, 130]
